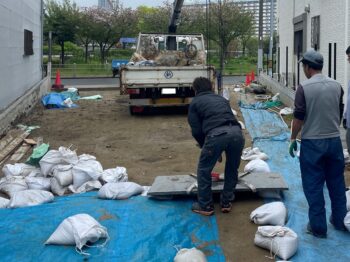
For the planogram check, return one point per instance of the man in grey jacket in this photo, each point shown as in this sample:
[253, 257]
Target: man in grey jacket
[317, 114]
[347, 111]
[216, 130]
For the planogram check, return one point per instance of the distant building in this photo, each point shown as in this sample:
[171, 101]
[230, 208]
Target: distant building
[253, 7]
[21, 73]
[108, 4]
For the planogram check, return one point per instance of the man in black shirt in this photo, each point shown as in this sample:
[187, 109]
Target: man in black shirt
[216, 130]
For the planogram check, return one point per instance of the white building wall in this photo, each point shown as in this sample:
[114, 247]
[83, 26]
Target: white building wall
[334, 28]
[18, 73]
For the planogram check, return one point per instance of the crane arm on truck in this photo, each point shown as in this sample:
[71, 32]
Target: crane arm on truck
[174, 21]
[175, 17]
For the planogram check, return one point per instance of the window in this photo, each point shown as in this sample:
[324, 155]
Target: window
[28, 42]
[315, 32]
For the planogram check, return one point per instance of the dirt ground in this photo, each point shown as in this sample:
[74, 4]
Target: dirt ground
[148, 146]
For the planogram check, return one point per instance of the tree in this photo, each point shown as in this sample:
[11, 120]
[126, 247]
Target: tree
[61, 20]
[228, 22]
[110, 25]
[153, 19]
[85, 31]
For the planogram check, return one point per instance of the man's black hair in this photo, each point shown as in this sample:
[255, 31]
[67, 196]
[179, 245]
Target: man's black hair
[348, 50]
[202, 84]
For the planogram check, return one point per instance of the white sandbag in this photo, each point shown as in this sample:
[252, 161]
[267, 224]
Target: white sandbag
[4, 202]
[86, 187]
[78, 230]
[348, 200]
[87, 169]
[18, 169]
[112, 175]
[347, 221]
[40, 183]
[68, 156]
[274, 213]
[56, 188]
[253, 153]
[190, 255]
[63, 174]
[257, 166]
[85, 157]
[11, 184]
[35, 173]
[281, 241]
[30, 197]
[121, 190]
[49, 161]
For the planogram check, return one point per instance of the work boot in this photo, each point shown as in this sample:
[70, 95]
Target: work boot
[208, 211]
[336, 228]
[309, 231]
[226, 208]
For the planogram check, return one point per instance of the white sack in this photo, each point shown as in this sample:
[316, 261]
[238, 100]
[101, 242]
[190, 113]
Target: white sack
[63, 174]
[257, 166]
[78, 230]
[253, 153]
[348, 200]
[281, 241]
[86, 187]
[11, 184]
[30, 197]
[40, 183]
[117, 174]
[18, 169]
[347, 221]
[49, 161]
[190, 255]
[274, 213]
[35, 173]
[4, 202]
[86, 170]
[68, 156]
[56, 188]
[121, 190]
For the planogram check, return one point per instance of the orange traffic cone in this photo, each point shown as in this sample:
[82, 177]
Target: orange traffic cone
[57, 84]
[247, 80]
[252, 76]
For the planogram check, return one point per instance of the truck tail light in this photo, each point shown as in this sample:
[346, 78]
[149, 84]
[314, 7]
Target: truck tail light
[133, 91]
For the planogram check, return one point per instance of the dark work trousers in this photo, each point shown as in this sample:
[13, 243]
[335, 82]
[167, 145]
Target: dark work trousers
[322, 160]
[220, 139]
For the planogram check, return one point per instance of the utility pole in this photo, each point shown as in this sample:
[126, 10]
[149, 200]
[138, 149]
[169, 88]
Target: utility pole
[260, 50]
[272, 27]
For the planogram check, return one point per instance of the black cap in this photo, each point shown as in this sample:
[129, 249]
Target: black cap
[313, 58]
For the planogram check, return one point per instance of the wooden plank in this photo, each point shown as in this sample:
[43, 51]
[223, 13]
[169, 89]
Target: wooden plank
[178, 185]
[11, 135]
[19, 153]
[12, 145]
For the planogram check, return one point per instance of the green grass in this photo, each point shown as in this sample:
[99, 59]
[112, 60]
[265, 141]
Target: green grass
[236, 66]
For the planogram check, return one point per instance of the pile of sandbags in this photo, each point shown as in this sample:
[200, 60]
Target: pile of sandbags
[61, 172]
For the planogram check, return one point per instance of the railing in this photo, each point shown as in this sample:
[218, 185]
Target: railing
[82, 70]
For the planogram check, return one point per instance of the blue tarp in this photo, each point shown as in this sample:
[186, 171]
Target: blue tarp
[55, 100]
[140, 229]
[258, 122]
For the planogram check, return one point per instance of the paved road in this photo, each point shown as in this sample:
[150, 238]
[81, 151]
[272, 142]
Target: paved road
[114, 82]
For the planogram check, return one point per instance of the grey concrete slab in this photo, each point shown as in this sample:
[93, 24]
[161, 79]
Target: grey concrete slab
[179, 184]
